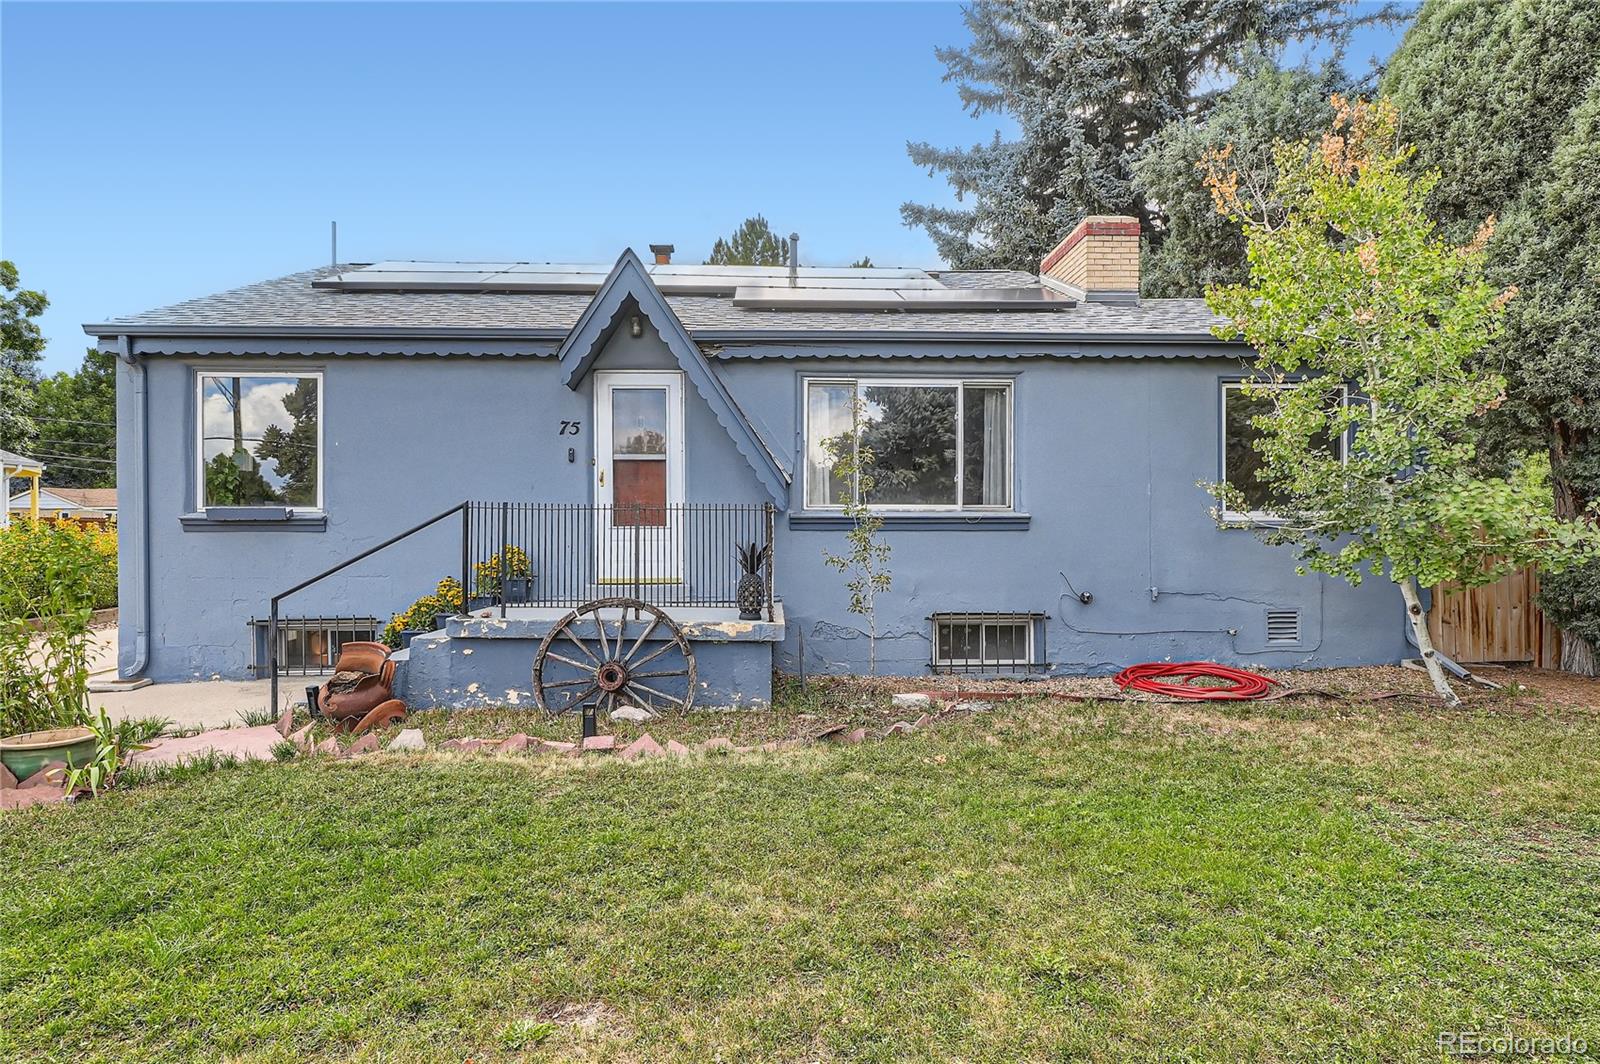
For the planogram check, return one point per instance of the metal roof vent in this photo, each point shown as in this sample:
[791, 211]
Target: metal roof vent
[1283, 627]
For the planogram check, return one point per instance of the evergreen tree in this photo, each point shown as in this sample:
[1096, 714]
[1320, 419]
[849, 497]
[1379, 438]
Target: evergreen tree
[1089, 83]
[76, 416]
[1552, 349]
[752, 244]
[1484, 87]
[1199, 247]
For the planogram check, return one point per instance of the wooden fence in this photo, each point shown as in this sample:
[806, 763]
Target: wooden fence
[1497, 622]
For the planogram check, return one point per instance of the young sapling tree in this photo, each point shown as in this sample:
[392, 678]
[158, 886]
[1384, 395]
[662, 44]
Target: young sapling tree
[865, 562]
[1351, 285]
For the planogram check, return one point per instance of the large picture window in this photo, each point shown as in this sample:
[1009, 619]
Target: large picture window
[261, 440]
[936, 444]
[1241, 462]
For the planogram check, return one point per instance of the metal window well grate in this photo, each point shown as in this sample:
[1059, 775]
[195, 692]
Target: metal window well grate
[1283, 627]
[309, 646]
[987, 642]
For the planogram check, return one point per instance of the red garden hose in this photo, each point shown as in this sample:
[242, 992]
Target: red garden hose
[1148, 677]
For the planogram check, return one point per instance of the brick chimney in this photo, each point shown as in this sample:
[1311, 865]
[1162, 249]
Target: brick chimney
[663, 253]
[1098, 261]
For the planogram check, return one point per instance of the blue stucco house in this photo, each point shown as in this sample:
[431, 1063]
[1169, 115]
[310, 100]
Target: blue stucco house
[1038, 441]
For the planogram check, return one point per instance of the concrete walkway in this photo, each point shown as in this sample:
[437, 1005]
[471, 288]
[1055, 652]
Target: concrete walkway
[205, 704]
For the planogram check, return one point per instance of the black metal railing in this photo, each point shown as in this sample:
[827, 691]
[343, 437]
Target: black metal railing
[565, 554]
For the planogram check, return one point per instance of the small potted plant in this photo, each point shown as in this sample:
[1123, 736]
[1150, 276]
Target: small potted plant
[751, 593]
[518, 578]
[44, 664]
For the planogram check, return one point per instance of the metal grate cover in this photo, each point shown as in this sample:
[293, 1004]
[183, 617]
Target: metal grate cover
[1283, 627]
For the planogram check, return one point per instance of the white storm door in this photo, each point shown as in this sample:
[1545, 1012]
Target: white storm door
[639, 476]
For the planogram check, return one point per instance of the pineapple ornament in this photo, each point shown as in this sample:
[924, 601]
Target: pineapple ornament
[751, 594]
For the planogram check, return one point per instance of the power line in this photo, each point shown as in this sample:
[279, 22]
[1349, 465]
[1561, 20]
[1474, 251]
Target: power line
[74, 458]
[74, 443]
[74, 421]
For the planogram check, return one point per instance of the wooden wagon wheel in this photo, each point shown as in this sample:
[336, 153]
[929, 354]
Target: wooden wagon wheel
[599, 650]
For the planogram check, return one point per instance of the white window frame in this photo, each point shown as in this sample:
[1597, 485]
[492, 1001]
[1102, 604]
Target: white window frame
[1265, 516]
[200, 375]
[1027, 621]
[1007, 383]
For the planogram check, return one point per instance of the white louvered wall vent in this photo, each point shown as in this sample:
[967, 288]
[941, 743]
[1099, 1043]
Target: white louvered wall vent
[1283, 627]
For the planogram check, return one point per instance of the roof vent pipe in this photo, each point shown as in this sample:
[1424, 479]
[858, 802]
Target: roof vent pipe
[794, 260]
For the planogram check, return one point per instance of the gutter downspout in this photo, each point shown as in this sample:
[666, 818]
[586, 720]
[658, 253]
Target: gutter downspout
[137, 465]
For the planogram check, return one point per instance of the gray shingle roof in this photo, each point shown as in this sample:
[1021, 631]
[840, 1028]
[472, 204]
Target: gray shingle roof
[291, 304]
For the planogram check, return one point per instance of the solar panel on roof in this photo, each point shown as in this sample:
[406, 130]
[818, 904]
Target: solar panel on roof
[771, 287]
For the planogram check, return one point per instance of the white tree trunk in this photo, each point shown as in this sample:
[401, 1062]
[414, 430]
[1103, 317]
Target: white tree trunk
[1577, 656]
[1419, 628]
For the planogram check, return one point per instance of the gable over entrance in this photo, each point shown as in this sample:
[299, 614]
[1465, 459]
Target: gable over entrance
[628, 289]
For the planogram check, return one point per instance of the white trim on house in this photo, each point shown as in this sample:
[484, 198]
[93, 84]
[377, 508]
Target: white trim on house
[662, 549]
[960, 384]
[200, 375]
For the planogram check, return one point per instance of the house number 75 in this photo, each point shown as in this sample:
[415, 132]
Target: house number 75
[569, 428]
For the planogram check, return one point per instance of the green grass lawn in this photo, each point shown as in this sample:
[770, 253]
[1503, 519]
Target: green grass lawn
[1043, 882]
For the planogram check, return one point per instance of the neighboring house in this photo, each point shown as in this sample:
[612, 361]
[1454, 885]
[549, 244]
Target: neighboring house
[1040, 442]
[94, 505]
[17, 467]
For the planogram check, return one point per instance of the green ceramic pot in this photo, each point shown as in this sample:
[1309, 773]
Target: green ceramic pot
[27, 753]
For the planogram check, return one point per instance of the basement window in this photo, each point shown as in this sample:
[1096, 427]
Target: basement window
[977, 642]
[309, 646]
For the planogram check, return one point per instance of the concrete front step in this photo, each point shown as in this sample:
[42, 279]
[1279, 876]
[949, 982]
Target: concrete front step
[486, 660]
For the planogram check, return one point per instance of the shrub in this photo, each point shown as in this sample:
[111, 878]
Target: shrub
[52, 577]
[418, 617]
[31, 552]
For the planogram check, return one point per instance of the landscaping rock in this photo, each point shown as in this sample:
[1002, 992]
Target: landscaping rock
[600, 744]
[912, 700]
[643, 746]
[409, 741]
[834, 734]
[974, 707]
[857, 736]
[302, 739]
[367, 744]
[8, 782]
[329, 746]
[22, 798]
[720, 744]
[463, 746]
[632, 714]
[514, 745]
[900, 727]
[677, 749]
[923, 721]
[54, 774]
[286, 722]
[556, 746]
[245, 744]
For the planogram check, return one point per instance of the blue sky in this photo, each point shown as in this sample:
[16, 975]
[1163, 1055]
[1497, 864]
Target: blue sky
[151, 153]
